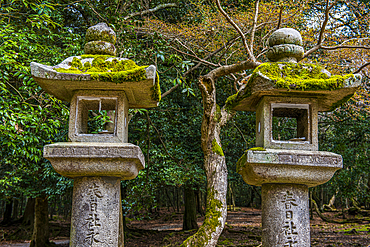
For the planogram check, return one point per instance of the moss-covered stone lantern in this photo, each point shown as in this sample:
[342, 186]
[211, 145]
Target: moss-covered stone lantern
[287, 97]
[99, 86]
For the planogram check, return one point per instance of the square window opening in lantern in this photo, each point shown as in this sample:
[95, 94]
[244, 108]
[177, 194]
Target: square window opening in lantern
[96, 115]
[290, 122]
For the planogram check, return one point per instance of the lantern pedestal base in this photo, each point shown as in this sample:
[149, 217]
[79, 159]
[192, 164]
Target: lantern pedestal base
[285, 215]
[96, 212]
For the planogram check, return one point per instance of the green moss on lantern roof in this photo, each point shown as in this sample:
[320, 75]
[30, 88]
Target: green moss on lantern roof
[300, 76]
[291, 76]
[100, 69]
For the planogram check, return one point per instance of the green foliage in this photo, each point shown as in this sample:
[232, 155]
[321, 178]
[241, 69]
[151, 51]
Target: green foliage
[29, 118]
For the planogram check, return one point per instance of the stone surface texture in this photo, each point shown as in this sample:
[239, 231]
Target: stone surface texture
[285, 46]
[100, 47]
[310, 168]
[264, 132]
[97, 212]
[63, 85]
[86, 100]
[76, 159]
[100, 40]
[285, 215]
[101, 31]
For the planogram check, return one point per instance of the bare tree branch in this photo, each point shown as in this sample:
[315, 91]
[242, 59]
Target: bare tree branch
[91, 6]
[322, 30]
[228, 69]
[362, 67]
[254, 25]
[148, 11]
[251, 56]
[196, 57]
[170, 90]
[280, 16]
[345, 47]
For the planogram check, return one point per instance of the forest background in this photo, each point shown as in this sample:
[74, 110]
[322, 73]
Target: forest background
[194, 44]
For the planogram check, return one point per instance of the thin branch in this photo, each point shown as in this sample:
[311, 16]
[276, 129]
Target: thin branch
[280, 16]
[148, 11]
[251, 56]
[199, 64]
[322, 30]
[228, 69]
[15, 90]
[90, 5]
[170, 90]
[337, 47]
[241, 133]
[254, 25]
[164, 145]
[362, 67]
[345, 47]
[196, 57]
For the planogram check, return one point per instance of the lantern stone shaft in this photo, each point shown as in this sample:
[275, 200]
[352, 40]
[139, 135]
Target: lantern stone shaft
[287, 97]
[100, 87]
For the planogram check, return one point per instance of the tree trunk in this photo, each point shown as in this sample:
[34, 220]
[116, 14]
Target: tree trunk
[40, 236]
[215, 167]
[15, 209]
[199, 202]
[232, 198]
[190, 214]
[29, 212]
[7, 217]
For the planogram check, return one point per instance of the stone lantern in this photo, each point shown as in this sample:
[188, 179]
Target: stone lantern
[287, 97]
[97, 160]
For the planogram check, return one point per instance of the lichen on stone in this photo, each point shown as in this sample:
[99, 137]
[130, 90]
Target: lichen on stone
[211, 222]
[290, 76]
[298, 76]
[241, 162]
[94, 56]
[257, 149]
[101, 69]
[156, 89]
[100, 47]
[216, 148]
[76, 63]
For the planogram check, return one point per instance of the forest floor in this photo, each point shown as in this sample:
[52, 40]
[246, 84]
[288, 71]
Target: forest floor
[243, 228]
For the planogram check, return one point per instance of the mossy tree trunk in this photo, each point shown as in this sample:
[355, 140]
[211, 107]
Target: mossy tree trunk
[213, 120]
[190, 214]
[40, 236]
[215, 167]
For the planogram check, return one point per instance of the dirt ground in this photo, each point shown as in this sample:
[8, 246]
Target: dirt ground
[243, 228]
